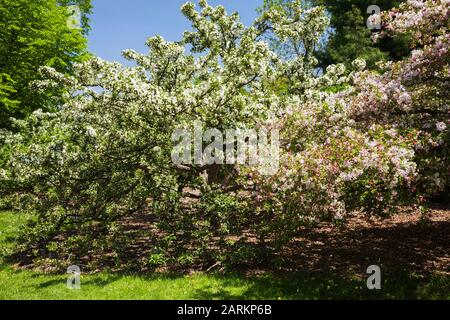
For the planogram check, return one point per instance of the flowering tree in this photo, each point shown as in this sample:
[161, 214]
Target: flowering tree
[88, 169]
[382, 140]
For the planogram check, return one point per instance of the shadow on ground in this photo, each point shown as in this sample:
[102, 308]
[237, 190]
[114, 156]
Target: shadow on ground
[403, 242]
[396, 284]
[299, 286]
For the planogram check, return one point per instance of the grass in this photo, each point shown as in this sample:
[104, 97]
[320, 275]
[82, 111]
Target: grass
[25, 285]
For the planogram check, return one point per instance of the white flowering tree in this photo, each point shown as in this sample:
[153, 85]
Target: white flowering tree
[88, 170]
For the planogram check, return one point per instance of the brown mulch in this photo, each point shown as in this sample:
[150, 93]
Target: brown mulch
[403, 241]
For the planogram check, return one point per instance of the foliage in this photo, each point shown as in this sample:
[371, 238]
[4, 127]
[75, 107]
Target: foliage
[308, 17]
[27, 285]
[347, 37]
[34, 34]
[85, 8]
[360, 141]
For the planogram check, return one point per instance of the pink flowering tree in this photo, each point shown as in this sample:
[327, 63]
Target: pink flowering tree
[381, 142]
[412, 97]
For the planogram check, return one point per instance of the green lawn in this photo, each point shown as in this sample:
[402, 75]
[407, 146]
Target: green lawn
[32, 285]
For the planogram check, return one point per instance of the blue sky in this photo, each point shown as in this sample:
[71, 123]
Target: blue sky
[126, 24]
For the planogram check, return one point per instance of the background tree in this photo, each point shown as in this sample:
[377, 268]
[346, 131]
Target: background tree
[34, 34]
